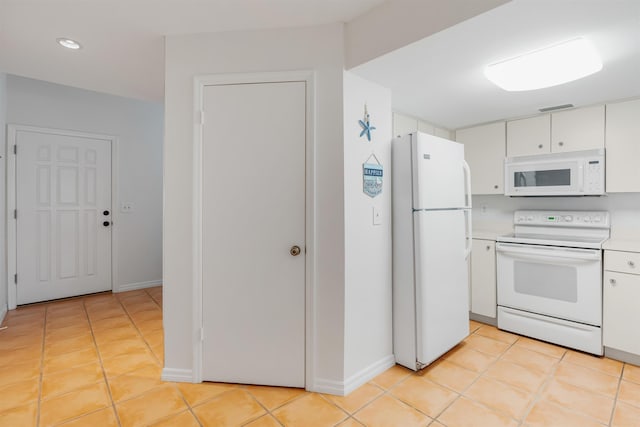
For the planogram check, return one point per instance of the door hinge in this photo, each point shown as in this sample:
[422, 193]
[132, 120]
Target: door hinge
[15, 278]
[15, 214]
[15, 149]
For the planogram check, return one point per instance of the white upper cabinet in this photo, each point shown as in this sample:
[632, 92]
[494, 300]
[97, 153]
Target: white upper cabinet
[442, 133]
[425, 127]
[529, 136]
[623, 147]
[579, 129]
[484, 148]
[572, 130]
[403, 125]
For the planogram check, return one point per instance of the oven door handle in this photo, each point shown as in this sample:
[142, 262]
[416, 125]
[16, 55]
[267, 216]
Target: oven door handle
[564, 253]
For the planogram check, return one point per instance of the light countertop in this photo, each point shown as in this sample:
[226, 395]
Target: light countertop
[486, 234]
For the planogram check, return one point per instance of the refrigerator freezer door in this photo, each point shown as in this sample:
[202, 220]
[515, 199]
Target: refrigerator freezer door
[442, 317]
[439, 174]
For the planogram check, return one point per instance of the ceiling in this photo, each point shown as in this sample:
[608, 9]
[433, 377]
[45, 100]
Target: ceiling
[440, 78]
[123, 48]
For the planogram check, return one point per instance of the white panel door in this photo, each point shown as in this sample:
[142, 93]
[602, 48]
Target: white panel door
[63, 197]
[253, 210]
[442, 316]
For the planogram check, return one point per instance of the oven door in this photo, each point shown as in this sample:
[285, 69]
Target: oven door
[549, 178]
[565, 283]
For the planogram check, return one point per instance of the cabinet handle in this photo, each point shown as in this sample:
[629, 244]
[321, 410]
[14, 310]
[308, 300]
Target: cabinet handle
[540, 146]
[495, 186]
[488, 247]
[560, 143]
[631, 264]
[613, 282]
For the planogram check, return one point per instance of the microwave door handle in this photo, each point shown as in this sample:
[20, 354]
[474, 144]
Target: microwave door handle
[550, 253]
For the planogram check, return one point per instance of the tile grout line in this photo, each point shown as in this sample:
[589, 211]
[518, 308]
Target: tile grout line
[481, 374]
[189, 406]
[135, 326]
[615, 400]
[104, 373]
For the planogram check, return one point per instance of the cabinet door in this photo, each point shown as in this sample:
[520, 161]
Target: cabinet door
[442, 133]
[484, 151]
[621, 312]
[529, 136]
[425, 127]
[575, 130]
[403, 125]
[483, 277]
[623, 147]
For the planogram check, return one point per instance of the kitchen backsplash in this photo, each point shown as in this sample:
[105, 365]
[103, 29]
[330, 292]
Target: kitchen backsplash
[495, 212]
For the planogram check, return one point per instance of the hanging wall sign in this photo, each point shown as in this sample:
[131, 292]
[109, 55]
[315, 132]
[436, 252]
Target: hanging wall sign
[372, 175]
[365, 124]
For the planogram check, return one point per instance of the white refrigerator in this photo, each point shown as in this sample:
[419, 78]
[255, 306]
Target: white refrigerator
[431, 244]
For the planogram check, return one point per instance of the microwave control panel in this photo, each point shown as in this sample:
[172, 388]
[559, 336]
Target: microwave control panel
[593, 176]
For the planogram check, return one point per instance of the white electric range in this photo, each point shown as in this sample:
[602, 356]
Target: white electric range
[550, 277]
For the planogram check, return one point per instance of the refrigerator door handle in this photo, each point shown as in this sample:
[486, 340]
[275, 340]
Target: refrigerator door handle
[467, 193]
[468, 234]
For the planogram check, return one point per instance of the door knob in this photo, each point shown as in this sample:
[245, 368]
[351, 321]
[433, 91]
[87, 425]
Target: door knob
[105, 213]
[106, 223]
[294, 251]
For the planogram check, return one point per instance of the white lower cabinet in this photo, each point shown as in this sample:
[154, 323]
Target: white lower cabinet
[483, 277]
[621, 302]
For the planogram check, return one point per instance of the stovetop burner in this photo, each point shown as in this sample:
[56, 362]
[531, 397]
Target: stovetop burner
[576, 229]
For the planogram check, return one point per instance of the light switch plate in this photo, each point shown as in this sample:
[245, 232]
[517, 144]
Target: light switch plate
[377, 216]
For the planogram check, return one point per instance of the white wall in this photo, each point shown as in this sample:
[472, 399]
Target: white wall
[397, 23]
[495, 212]
[313, 48]
[3, 133]
[138, 126]
[368, 319]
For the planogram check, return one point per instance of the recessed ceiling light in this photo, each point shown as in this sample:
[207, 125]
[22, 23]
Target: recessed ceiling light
[554, 65]
[68, 43]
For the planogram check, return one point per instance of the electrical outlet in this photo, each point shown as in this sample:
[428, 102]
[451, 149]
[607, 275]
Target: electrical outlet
[126, 207]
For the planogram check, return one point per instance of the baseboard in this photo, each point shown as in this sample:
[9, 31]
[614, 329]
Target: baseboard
[3, 312]
[139, 285]
[328, 387]
[493, 321]
[342, 388]
[368, 373]
[177, 375]
[622, 356]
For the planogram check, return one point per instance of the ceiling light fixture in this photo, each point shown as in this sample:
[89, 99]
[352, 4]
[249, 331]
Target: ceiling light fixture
[68, 43]
[551, 66]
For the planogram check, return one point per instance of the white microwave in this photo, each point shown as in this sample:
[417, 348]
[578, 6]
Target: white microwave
[578, 173]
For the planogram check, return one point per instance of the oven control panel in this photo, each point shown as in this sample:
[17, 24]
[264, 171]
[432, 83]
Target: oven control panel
[589, 219]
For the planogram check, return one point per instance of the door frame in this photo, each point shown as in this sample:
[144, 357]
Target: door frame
[12, 191]
[200, 82]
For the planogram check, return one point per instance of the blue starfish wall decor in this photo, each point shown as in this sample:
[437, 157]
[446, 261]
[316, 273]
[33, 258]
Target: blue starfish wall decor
[366, 125]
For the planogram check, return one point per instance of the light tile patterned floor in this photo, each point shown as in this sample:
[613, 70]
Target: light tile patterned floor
[96, 361]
